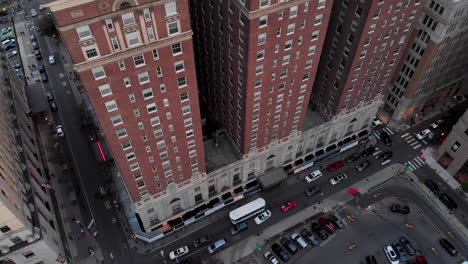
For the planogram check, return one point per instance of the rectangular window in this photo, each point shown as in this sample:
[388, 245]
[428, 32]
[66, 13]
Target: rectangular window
[315, 35]
[158, 133]
[184, 96]
[115, 43]
[188, 122]
[264, 3]
[151, 108]
[179, 66]
[126, 145]
[133, 38]
[143, 77]
[91, 51]
[321, 4]
[263, 21]
[121, 133]
[293, 12]
[139, 60]
[186, 110]
[110, 25]
[173, 27]
[130, 156]
[150, 32]
[176, 49]
[121, 64]
[155, 121]
[155, 54]
[98, 73]
[181, 82]
[171, 8]
[105, 90]
[291, 28]
[261, 39]
[147, 14]
[318, 20]
[159, 72]
[147, 93]
[139, 184]
[128, 19]
[127, 83]
[111, 106]
[83, 32]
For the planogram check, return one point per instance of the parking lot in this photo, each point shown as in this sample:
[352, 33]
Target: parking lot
[373, 229]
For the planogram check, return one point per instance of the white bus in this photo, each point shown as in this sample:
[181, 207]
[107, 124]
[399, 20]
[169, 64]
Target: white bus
[247, 210]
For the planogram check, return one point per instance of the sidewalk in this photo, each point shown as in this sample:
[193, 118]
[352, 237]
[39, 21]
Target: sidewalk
[78, 237]
[247, 246]
[447, 177]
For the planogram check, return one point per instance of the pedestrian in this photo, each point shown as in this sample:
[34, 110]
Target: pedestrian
[27, 78]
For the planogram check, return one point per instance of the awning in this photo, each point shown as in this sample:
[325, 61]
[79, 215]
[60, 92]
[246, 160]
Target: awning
[272, 178]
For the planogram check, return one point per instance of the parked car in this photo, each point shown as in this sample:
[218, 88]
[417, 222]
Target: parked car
[217, 246]
[391, 255]
[33, 12]
[35, 45]
[280, 252]
[336, 222]
[432, 186]
[9, 46]
[338, 179]
[376, 121]
[8, 41]
[408, 246]
[400, 251]
[385, 156]
[239, 228]
[448, 247]
[201, 241]
[364, 165]
[353, 157]
[51, 59]
[53, 106]
[421, 260]
[299, 240]
[448, 201]
[371, 260]
[41, 68]
[178, 252]
[60, 132]
[33, 37]
[311, 238]
[290, 205]
[386, 138]
[336, 165]
[262, 217]
[311, 191]
[269, 256]
[318, 230]
[368, 151]
[436, 124]
[11, 53]
[3, 11]
[313, 176]
[50, 96]
[44, 77]
[423, 134]
[38, 54]
[288, 245]
[402, 209]
[327, 225]
[6, 30]
[16, 66]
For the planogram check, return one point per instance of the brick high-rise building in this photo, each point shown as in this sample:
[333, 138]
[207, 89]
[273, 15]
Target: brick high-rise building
[256, 63]
[364, 44]
[136, 63]
[435, 61]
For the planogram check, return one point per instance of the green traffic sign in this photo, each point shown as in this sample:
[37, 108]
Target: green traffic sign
[408, 167]
[259, 248]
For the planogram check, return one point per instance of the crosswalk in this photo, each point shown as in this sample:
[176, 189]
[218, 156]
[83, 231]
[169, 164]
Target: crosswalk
[386, 129]
[415, 163]
[412, 141]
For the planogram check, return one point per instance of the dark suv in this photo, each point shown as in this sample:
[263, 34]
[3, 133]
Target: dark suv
[280, 252]
[288, 245]
[448, 247]
[368, 151]
[385, 156]
[386, 139]
[448, 201]
[353, 157]
[311, 191]
[432, 186]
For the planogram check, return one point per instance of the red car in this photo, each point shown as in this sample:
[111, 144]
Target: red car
[289, 206]
[336, 165]
[325, 223]
[421, 260]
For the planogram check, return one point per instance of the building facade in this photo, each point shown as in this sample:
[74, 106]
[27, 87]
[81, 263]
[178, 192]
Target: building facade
[28, 225]
[434, 62]
[452, 153]
[364, 43]
[136, 63]
[256, 64]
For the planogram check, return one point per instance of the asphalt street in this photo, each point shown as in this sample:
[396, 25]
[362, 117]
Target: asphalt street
[110, 236]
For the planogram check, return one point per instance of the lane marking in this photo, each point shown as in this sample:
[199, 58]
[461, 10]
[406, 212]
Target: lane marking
[418, 146]
[376, 153]
[413, 165]
[414, 143]
[388, 130]
[418, 162]
[385, 162]
[424, 141]
[404, 135]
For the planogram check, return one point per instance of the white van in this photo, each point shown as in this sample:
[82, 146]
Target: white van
[216, 246]
[313, 176]
[299, 240]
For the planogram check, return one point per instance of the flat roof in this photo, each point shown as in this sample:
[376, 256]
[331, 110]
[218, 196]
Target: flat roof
[220, 153]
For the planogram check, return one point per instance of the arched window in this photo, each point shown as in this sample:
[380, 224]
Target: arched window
[125, 5]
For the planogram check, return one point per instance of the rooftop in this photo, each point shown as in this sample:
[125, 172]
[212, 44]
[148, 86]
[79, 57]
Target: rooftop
[312, 119]
[219, 152]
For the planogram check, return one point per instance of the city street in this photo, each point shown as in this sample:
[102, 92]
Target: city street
[113, 241]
